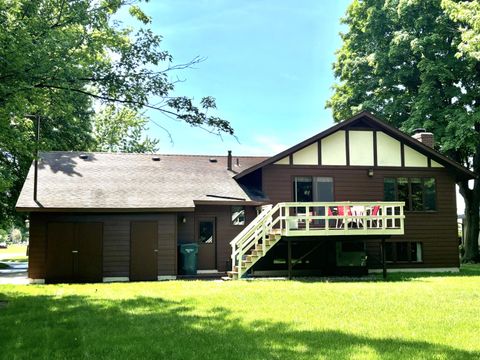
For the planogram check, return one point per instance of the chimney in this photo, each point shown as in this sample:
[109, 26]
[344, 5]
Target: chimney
[229, 160]
[424, 137]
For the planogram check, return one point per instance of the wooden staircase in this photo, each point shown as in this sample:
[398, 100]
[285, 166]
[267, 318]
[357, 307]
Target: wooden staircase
[254, 241]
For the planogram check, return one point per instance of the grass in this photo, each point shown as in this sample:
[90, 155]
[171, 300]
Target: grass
[408, 317]
[16, 259]
[14, 252]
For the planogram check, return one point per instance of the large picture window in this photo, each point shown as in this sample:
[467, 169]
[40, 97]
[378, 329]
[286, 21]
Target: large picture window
[419, 194]
[311, 188]
[403, 252]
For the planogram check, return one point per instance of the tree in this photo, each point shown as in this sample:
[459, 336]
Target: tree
[467, 15]
[400, 59]
[62, 59]
[121, 130]
[16, 236]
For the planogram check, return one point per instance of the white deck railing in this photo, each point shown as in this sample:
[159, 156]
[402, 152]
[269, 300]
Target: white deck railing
[342, 218]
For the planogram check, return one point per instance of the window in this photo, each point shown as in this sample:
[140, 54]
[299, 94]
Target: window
[313, 189]
[403, 252]
[205, 232]
[303, 189]
[238, 215]
[308, 189]
[419, 194]
[429, 194]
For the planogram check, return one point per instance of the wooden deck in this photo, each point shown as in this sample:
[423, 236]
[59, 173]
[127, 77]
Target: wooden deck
[313, 219]
[341, 218]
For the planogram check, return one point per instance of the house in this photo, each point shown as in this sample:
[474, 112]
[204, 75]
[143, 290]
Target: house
[357, 197]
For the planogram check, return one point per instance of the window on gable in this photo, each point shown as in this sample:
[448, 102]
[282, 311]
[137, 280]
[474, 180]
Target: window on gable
[419, 194]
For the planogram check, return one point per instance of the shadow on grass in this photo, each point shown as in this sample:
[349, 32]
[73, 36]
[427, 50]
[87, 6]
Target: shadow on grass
[46, 327]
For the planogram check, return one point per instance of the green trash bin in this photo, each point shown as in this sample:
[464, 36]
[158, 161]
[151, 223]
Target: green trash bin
[188, 255]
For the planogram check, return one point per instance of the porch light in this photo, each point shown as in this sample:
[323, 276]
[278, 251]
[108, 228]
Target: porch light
[370, 172]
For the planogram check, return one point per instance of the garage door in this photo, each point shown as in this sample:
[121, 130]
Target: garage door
[74, 252]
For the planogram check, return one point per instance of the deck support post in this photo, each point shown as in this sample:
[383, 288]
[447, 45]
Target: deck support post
[384, 269]
[289, 246]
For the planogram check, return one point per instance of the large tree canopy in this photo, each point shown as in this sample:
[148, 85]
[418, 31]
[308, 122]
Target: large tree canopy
[467, 15]
[60, 60]
[403, 60]
[122, 130]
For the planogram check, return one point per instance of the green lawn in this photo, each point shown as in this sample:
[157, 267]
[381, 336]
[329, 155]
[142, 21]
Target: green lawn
[14, 253]
[410, 317]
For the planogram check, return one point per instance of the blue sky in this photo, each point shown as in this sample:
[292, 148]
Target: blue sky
[268, 64]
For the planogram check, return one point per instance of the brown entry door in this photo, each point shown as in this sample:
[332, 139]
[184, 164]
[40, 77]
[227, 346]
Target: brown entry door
[74, 252]
[60, 261]
[143, 250]
[89, 252]
[207, 243]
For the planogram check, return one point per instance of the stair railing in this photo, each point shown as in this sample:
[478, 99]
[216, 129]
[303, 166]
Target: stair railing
[250, 237]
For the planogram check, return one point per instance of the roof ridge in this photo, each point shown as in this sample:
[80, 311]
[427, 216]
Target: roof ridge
[145, 154]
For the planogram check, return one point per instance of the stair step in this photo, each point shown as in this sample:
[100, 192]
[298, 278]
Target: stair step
[252, 258]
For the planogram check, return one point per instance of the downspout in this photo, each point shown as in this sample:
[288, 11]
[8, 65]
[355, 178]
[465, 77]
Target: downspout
[37, 138]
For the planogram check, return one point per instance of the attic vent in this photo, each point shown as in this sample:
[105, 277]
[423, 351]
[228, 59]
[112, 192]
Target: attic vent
[212, 160]
[83, 156]
[156, 158]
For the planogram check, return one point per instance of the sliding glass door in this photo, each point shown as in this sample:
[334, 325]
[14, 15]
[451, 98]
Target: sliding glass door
[313, 189]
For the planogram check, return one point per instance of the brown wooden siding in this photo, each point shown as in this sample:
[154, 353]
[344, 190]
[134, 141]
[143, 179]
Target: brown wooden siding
[37, 266]
[436, 230]
[116, 241]
[116, 247]
[167, 244]
[225, 230]
[186, 230]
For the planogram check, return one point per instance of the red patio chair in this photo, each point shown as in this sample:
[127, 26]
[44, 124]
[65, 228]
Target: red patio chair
[374, 212]
[341, 212]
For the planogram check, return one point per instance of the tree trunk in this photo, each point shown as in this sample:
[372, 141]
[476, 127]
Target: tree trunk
[472, 208]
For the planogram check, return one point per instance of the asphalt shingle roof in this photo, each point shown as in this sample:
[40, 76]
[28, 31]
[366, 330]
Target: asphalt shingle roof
[132, 181]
